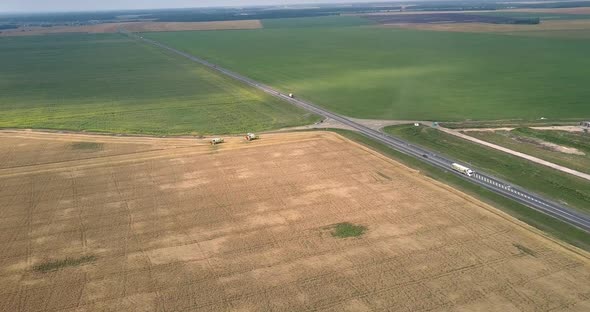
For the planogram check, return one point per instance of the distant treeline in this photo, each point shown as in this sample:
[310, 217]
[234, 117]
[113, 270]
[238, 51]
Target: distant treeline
[487, 5]
[8, 26]
[196, 15]
[527, 21]
[58, 18]
[188, 16]
[552, 5]
[270, 12]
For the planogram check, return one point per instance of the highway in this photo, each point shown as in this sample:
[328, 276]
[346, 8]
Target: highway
[532, 200]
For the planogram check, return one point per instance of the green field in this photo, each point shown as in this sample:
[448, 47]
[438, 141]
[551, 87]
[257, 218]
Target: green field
[573, 34]
[527, 141]
[111, 83]
[384, 73]
[559, 186]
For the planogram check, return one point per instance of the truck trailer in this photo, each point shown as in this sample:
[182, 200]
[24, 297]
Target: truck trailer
[464, 170]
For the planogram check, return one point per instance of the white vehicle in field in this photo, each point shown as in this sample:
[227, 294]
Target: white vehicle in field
[291, 95]
[251, 136]
[216, 141]
[464, 170]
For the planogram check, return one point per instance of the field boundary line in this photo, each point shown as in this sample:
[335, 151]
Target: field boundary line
[112, 160]
[104, 135]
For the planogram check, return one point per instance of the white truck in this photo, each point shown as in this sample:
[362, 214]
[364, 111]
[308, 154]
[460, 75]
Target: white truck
[464, 170]
[291, 95]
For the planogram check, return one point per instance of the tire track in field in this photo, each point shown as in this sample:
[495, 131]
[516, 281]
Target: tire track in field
[126, 158]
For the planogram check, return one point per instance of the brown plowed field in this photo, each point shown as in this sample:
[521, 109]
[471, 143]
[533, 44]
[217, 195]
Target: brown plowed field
[178, 225]
[134, 27]
[178, 26]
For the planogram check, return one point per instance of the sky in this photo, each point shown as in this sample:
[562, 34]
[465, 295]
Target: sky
[89, 5]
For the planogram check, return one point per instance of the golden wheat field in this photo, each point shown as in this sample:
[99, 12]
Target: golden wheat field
[100, 223]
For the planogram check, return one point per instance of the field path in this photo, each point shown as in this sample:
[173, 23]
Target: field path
[515, 153]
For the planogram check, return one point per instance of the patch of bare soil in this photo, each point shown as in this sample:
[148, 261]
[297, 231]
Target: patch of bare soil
[562, 149]
[135, 27]
[484, 129]
[549, 146]
[241, 226]
[556, 128]
[561, 128]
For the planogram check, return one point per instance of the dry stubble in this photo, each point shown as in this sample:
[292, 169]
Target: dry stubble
[177, 225]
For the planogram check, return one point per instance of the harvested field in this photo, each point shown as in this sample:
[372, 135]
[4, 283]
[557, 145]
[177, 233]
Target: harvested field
[134, 27]
[178, 26]
[247, 226]
[21, 148]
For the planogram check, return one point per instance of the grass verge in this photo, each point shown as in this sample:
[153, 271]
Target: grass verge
[565, 188]
[534, 142]
[63, 263]
[553, 227]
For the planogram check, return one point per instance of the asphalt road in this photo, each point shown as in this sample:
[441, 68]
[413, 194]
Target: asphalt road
[532, 200]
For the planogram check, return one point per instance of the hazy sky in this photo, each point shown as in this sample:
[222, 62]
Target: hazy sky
[89, 5]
